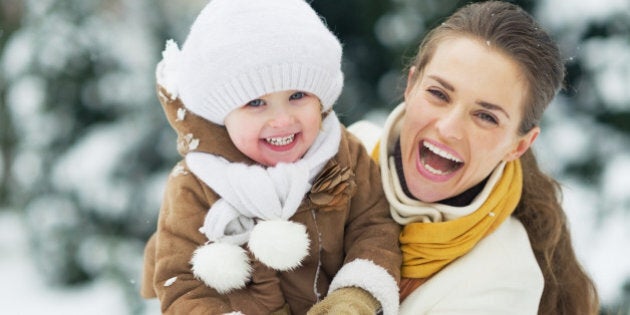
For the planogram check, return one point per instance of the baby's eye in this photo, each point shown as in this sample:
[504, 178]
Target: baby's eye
[297, 95]
[256, 103]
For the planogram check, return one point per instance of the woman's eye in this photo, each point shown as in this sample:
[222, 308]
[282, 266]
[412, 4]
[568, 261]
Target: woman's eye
[438, 94]
[297, 95]
[256, 103]
[488, 118]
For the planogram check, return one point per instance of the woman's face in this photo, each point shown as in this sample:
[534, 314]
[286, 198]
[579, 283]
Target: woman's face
[461, 120]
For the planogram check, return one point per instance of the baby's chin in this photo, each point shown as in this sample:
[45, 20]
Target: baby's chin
[271, 161]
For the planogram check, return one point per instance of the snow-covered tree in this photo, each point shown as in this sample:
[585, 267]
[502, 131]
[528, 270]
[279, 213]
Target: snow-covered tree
[90, 146]
[586, 140]
[85, 149]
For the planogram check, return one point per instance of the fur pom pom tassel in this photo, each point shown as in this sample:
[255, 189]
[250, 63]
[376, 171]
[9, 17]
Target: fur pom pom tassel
[221, 266]
[279, 244]
[166, 70]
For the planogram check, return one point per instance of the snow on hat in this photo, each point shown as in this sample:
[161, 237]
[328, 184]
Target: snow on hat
[239, 50]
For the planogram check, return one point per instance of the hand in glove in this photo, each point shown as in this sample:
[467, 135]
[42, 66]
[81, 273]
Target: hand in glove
[346, 301]
[285, 310]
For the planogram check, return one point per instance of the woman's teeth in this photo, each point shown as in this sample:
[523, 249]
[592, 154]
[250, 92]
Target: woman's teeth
[434, 171]
[438, 161]
[441, 153]
[279, 141]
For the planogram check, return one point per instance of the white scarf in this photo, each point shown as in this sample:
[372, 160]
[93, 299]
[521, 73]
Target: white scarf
[250, 192]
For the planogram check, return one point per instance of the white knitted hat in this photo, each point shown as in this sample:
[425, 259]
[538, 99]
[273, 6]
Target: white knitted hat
[239, 50]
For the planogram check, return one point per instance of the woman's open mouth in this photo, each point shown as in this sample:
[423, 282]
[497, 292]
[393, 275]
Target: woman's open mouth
[437, 161]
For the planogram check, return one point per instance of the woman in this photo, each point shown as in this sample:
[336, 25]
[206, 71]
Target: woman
[484, 231]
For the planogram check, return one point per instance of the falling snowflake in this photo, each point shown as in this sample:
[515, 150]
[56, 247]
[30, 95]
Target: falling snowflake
[179, 169]
[170, 282]
[193, 143]
[187, 143]
[181, 114]
[163, 97]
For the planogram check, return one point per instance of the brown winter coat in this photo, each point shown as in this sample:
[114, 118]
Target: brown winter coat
[346, 215]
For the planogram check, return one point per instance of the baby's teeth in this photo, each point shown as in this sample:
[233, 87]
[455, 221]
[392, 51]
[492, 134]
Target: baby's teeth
[281, 140]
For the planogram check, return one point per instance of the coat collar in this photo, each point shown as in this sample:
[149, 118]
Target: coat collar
[198, 134]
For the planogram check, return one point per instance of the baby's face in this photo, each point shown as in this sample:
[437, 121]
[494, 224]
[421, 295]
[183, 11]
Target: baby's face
[277, 127]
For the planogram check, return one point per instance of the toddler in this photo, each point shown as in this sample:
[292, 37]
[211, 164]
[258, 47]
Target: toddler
[275, 207]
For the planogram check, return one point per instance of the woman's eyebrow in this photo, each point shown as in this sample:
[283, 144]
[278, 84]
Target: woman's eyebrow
[443, 82]
[493, 107]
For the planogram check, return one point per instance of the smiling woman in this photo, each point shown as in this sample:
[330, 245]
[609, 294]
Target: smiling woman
[463, 106]
[483, 229]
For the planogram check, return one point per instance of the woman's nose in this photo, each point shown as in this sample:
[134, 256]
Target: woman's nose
[451, 124]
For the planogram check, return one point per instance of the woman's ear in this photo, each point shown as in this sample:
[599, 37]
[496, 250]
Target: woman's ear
[524, 143]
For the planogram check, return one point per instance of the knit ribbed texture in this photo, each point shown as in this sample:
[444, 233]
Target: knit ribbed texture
[240, 50]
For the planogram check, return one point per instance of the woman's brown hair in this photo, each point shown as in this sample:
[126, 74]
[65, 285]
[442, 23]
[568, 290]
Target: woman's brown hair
[512, 31]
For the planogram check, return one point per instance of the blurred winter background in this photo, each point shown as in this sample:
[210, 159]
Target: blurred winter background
[85, 149]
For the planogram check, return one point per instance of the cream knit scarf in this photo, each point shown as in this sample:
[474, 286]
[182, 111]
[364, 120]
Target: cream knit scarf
[255, 192]
[253, 195]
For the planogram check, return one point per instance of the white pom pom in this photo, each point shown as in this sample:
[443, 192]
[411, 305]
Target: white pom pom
[278, 244]
[221, 266]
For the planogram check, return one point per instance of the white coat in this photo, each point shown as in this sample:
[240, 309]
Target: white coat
[500, 275]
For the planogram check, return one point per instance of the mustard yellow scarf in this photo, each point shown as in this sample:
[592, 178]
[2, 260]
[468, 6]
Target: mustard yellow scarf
[429, 247]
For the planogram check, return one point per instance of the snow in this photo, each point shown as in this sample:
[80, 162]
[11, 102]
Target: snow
[610, 59]
[600, 243]
[28, 167]
[571, 13]
[615, 185]
[27, 97]
[574, 141]
[99, 153]
[610, 261]
[25, 292]
[181, 114]
[598, 215]
[399, 29]
[170, 282]
[166, 73]
[60, 48]
[18, 54]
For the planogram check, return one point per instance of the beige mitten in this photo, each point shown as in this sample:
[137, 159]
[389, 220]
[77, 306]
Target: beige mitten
[346, 301]
[285, 310]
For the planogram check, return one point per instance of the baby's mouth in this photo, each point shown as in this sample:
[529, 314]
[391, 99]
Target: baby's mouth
[438, 161]
[280, 141]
